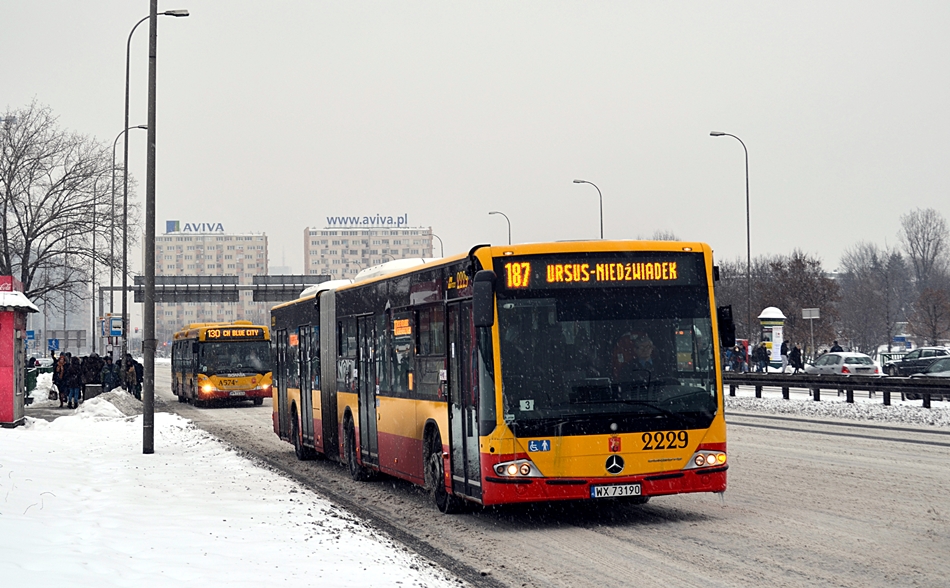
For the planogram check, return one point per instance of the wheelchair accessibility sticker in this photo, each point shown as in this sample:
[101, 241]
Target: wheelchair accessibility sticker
[540, 445]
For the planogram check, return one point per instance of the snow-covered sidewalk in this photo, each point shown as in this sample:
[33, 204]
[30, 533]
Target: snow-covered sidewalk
[80, 505]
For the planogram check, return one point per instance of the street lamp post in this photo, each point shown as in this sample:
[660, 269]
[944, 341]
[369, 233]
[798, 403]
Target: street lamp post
[601, 196]
[507, 219]
[148, 407]
[748, 233]
[125, 169]
[441, 247]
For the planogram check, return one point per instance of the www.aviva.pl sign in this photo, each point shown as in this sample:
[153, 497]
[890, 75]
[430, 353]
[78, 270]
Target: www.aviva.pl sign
[173, 226]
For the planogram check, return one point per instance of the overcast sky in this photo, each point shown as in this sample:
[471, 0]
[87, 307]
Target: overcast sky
[273, 115]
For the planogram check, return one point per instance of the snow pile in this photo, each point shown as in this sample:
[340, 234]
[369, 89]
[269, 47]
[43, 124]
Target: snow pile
[44, 382]
[82, 506]
[907, 413]
[115, 401]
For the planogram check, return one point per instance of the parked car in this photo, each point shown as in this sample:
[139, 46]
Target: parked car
[938, 369]
[916, 361]
[843, 363]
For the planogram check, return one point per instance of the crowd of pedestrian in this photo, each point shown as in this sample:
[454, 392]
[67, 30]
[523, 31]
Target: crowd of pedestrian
[71, 374]
[738, 359]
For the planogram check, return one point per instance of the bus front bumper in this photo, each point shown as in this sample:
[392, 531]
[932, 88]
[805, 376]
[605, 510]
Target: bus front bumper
[216, 394]
[504, 490]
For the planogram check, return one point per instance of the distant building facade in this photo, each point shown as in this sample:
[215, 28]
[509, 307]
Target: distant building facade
[341, 252]
[212, 253]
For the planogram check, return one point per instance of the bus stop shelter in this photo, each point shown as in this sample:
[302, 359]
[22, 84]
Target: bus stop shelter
[14, 306]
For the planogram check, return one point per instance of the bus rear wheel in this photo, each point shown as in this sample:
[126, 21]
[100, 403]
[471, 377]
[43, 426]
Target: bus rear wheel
[357, 472]
[302, 452]
[258, 401]
[435, 478]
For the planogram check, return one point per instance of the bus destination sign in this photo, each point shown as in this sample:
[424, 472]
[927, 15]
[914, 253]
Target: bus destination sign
[234, 333]
[559, 272]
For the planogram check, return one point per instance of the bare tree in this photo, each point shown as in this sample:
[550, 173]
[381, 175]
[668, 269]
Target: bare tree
[799, 281]
[788, 282]
[54, 196]
[875, 294]
[924, 236]
[930, 316]
[661, 235]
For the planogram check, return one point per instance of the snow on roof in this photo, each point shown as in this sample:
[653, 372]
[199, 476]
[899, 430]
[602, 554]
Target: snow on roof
[324, 286]
[16, 300]
[391, 266]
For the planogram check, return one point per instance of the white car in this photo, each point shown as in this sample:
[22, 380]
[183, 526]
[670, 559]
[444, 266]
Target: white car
[844, 363]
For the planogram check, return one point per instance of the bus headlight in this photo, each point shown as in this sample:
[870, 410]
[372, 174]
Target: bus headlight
[705, 459]
[207, 388]
[522, 468]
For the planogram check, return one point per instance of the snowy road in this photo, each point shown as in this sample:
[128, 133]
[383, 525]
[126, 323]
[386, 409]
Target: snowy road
[808, 504]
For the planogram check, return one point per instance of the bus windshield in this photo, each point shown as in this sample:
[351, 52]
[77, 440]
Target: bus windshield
[234, 357]
[607, 361]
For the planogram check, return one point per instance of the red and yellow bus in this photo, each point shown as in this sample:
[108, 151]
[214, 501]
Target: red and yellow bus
[517, 373]
[222, 361]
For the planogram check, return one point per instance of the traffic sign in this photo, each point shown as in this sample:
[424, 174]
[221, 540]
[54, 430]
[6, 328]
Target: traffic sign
[31, 335]
[115, 326]
[52, 344]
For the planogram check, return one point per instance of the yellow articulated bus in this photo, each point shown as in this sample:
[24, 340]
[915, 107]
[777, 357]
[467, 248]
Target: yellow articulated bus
[218, 361]
[518, 373]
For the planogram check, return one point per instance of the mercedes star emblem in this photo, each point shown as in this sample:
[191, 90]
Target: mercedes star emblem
[614, 464]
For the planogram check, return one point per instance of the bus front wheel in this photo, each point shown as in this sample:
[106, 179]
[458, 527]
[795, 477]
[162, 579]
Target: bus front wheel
[435, 478]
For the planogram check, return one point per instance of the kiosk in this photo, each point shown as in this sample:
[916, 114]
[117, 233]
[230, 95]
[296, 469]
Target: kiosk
[14, 307]
[773, 325]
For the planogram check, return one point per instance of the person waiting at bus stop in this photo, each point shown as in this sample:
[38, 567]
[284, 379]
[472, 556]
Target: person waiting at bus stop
[109, 375]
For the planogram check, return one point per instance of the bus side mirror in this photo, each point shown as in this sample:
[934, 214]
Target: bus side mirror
[727, 327]
[483, 299]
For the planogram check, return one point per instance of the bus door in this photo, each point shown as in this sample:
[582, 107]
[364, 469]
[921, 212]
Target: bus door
[463, 405]
[306, 395]
[192, 349]
[366, 364]
[283, 411]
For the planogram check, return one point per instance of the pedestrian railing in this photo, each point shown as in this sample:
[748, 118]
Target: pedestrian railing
[923, 388]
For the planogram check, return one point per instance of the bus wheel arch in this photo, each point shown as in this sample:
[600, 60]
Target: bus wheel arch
[434, 464]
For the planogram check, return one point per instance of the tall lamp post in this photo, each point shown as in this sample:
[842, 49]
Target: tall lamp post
[441, 247]
[748, 233]
[125, 179]
[507, 219]
[125, 170]
[148, 306]
[601, 196]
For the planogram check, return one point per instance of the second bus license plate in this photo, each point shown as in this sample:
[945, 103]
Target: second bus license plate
[238, 393]
[615, 491]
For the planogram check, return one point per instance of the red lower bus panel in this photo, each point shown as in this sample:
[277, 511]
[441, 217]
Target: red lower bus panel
[401, 456]
[503, 490]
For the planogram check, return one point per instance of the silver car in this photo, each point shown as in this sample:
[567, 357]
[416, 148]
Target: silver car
[844, 363]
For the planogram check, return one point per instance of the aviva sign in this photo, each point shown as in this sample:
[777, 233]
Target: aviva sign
[173, 226]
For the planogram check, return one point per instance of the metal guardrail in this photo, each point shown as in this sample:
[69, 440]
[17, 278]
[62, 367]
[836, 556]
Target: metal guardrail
[909, 388]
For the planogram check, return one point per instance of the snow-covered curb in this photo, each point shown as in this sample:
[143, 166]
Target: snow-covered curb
[79, 492]
[863, 410]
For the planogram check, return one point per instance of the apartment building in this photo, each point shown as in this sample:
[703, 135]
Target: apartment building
[213, 253]
[342, 252]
